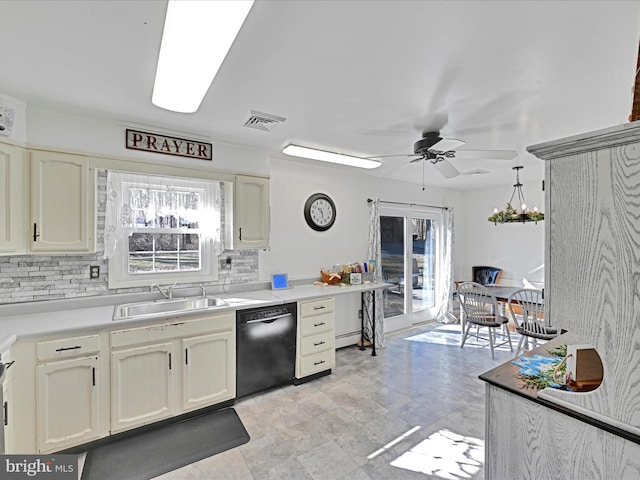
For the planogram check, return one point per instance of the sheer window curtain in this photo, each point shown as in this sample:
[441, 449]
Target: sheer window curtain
[374, 254]
[445, 289]
[168, 196]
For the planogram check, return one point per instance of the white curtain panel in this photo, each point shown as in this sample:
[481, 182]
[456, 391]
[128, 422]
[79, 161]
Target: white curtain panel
[374, 254]
[445, 288]
[156, 198]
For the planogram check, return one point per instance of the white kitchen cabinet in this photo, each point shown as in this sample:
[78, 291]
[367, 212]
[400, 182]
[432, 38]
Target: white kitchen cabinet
[67, 376]
[162, 370]
[208, 377]
[7, 405]
[142, 385]
[62, 203]
[13, 196]
[68, 412]
[315, 351]
[251, 221]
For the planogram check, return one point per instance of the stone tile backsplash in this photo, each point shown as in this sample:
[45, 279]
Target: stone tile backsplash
[28, 278]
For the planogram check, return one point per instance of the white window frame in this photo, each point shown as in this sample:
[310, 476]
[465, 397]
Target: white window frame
[119, 275]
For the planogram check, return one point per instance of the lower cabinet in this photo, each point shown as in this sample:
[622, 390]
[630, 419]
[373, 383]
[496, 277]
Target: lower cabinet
[142, 385]
[164, 370]
[67, 377]
[315, 350]
[8, 419]
[208, 372]
[68, 412]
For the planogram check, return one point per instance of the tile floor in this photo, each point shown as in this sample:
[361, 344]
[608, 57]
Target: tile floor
[415, 411]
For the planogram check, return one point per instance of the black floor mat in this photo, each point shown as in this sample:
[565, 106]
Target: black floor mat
[154, 452]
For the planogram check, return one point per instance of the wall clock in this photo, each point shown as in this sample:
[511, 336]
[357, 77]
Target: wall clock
[320, 212]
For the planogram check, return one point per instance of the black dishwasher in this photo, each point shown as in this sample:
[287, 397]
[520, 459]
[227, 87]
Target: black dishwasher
[265, 348]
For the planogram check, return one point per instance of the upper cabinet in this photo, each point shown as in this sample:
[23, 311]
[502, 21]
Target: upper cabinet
[251, 221]
[12, 199]
[62, 203]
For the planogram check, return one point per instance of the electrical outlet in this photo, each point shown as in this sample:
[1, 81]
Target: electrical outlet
[94, 271]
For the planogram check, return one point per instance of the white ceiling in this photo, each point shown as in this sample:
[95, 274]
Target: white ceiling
[357, 77]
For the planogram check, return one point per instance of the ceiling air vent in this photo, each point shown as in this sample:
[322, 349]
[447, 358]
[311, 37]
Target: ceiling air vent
[263, 121]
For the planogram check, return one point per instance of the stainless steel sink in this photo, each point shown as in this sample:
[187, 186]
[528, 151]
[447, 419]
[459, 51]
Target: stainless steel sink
[163, 307]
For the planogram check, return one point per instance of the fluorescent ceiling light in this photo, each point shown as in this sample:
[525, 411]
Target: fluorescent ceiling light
[313, 154]
[197, 36]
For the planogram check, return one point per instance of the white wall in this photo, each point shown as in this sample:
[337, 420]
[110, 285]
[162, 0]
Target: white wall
[515, 247]
[301, 251]
[54, 129]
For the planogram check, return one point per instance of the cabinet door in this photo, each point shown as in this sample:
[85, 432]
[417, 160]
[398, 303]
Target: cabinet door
[7, 411]
[142, 385]
[67, 406]
[208, 369]
[62, 203]
[251, 212]
[12, 200]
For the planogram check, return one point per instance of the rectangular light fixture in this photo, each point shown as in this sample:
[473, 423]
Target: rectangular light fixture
[331, 157]
[197, 36]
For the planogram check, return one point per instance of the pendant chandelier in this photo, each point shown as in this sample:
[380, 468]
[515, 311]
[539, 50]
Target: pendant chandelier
[513, 215]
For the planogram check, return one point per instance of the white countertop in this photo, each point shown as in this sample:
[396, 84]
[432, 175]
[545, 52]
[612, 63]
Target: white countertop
[58, 317]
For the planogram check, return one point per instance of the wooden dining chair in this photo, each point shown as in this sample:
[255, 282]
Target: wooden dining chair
[527, 311]
[480, 308]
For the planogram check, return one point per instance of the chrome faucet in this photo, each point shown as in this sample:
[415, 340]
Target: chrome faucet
[159, 288]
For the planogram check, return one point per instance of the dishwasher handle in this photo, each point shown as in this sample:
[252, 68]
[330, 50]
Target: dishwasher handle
[268, 319]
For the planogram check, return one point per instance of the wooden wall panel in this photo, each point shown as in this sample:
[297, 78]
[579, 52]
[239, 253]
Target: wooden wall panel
[526, 440]
[595, 269]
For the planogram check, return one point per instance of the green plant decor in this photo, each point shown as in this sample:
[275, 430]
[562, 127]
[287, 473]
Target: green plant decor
[510, 214]
[537, 371]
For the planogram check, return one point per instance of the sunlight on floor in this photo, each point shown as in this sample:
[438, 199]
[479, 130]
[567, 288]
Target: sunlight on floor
[445, 455]
[450, 335]
[394, 442]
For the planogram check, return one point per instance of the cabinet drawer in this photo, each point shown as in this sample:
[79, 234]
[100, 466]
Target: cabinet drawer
[316, 324]
[317, 363]
[317, 343]
[165, 331]
[316, 307]
[68, 347]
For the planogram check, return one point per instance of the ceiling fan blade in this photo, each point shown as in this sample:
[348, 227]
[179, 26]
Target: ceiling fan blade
[447, 144]
[390, 156]
[477, 171]
[486, 154]
[445, 169]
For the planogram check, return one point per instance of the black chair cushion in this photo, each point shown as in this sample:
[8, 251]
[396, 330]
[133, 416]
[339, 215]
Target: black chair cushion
[485, 275]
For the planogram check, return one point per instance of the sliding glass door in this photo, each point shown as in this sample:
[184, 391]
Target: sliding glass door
[408, 242]
[393, 250]
[423, 261]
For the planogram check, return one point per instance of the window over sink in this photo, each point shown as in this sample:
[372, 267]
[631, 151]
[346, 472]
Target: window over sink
[162, 229]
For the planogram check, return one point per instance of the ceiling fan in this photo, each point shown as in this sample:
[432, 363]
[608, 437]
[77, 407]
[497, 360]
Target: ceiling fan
[437, 150]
